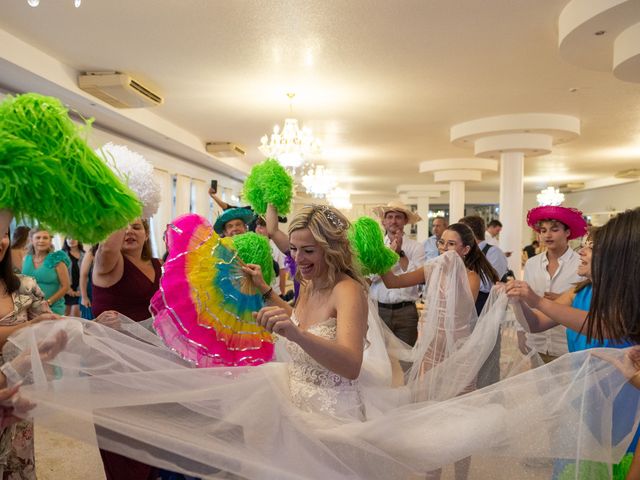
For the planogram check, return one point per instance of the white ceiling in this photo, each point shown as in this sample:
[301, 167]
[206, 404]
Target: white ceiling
[380, 82]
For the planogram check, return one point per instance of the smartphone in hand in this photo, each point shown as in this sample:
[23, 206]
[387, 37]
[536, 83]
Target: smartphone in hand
[214, 186]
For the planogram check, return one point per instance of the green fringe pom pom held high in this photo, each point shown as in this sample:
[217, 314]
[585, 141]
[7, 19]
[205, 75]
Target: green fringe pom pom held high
[268, 182]
[254, 248]
[367, 241]
[49, 173]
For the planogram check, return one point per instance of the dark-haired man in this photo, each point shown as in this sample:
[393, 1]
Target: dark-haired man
[554, 271]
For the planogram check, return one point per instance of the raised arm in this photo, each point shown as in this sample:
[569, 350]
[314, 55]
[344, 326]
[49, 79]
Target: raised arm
[552, 312]
[279, 237]
[265, 290]
[409, 279]
[221, 203]
[108, 259]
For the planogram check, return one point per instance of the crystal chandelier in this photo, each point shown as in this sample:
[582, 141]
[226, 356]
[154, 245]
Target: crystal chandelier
[35, 3]
[291, 144]
[340, 198]
[550, 196]
[318, 181]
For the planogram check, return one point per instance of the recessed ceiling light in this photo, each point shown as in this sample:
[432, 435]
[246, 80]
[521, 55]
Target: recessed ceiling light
[600, 32]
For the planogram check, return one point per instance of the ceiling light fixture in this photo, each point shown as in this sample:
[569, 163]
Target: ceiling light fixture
[292, 144]
[319, 181]
[35, 3]
[550, 196]
[340, 198]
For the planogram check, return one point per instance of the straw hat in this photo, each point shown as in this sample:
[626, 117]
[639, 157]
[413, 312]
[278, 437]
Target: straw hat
[395, 206]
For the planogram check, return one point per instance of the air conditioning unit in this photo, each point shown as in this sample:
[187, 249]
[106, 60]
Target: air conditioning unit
[571, 187]
[632, 173]
[118, 89]
[225, 149]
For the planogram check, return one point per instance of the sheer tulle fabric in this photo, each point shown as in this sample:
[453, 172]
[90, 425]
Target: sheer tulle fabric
[145, 402]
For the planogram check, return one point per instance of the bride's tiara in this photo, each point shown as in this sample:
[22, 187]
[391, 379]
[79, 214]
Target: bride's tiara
[330, 215]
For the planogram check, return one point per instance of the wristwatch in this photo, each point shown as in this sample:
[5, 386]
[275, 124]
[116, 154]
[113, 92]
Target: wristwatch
[401, 253]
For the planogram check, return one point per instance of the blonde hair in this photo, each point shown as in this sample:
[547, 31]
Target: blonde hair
[329, 228]
[31, 250]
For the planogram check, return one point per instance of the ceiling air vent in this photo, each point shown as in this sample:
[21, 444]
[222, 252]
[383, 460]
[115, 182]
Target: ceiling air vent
[632, 173]
[225, 149]
[118, 89]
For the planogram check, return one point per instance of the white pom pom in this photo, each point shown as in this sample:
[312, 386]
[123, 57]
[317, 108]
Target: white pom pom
[134, 170]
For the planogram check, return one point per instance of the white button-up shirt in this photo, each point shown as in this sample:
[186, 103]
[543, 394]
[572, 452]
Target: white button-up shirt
[490, 239]
[279, 257]
[414, 251]
[553, 341]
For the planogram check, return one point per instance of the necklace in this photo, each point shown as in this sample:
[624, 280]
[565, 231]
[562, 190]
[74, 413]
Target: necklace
[37, 262]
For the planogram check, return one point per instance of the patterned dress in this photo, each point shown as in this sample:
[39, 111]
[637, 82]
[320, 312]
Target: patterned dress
[16, 441]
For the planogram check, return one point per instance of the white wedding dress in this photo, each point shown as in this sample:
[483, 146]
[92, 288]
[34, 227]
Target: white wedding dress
[296, 419]
[314, 388]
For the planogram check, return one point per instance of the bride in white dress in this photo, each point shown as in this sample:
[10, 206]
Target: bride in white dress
[326, 333]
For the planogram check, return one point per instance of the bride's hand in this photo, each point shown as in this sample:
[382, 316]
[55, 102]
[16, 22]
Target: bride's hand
[255, 272]
[277, 320]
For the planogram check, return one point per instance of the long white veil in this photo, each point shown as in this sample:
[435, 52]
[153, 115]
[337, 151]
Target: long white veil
[140, 400]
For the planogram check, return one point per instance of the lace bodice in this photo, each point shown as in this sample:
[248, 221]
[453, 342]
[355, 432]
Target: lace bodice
[315, 388]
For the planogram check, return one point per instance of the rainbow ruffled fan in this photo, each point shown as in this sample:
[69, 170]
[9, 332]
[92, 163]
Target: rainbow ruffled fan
[203, 309]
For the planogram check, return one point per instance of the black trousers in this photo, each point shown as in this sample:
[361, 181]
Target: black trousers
[403, 322]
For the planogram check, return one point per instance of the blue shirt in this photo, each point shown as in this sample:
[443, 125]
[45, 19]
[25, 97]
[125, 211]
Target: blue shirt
[577, 341]
[431, 248]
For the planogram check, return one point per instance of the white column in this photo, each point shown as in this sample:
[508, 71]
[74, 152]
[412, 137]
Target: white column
[456, 200]
[423, 225]
[511, 206]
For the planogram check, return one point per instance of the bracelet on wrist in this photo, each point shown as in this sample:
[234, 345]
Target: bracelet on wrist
[267, 294]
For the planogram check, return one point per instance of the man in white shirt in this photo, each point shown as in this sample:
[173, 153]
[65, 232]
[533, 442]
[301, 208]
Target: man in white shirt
[555, 271]
[397, 307]
[438, 226]
[494, 227]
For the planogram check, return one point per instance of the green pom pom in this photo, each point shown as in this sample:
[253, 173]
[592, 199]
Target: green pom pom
[254, 248]
[367, 240]
[268, 182]
[589, 470]
[49, 173]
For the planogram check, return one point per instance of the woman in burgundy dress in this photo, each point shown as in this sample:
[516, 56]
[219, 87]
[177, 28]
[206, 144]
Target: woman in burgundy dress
[125, 277]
